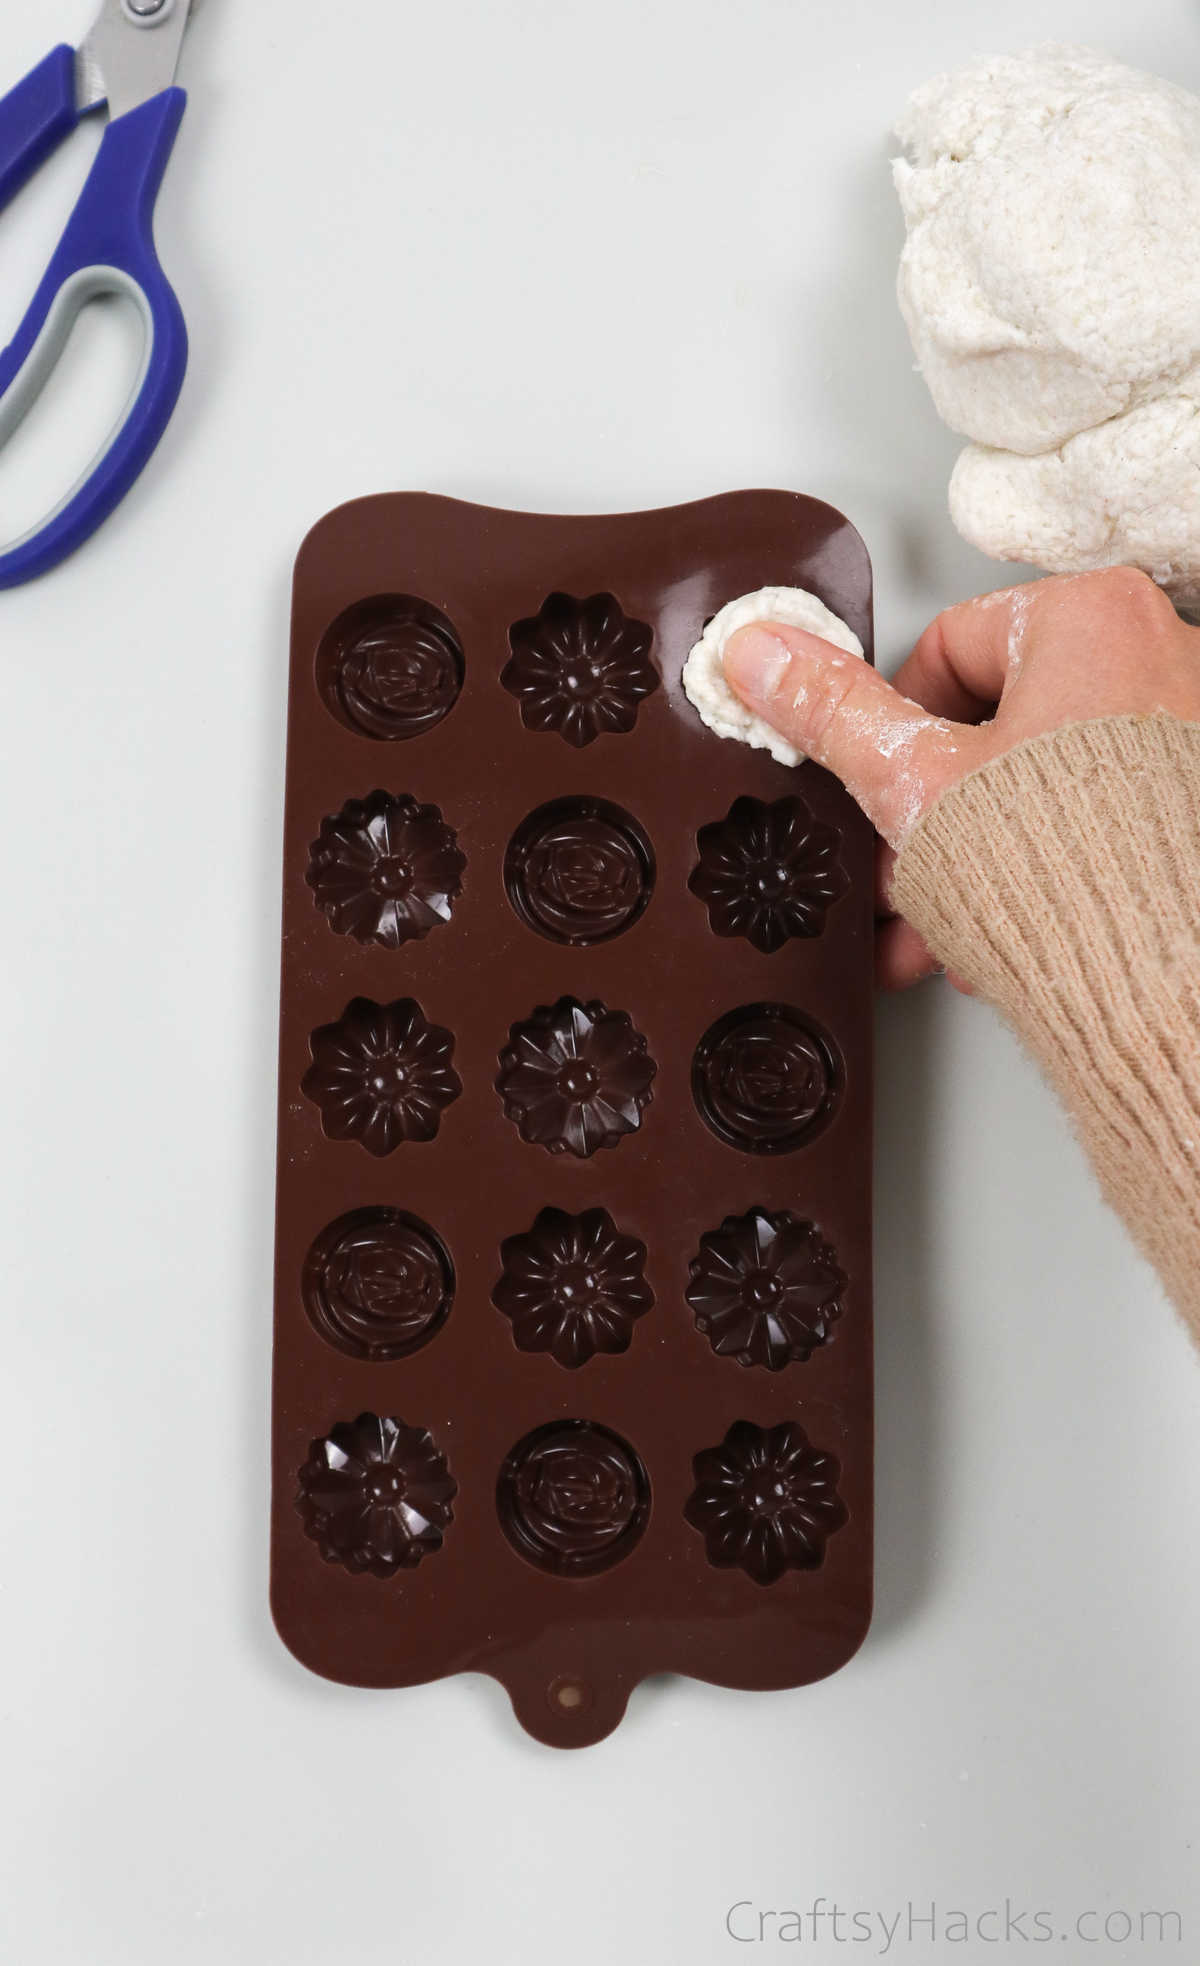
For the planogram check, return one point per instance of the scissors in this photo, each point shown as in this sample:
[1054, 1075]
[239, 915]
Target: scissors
[128, 61]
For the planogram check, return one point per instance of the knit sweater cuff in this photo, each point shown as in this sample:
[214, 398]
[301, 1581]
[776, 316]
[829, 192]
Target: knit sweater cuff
[1062, 883]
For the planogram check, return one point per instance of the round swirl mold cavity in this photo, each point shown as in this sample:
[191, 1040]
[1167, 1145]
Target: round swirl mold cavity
[768, 872]
[390, 667]
[381, 1075]
[575, 1077]
[765, 1501]
[375, 1495]
[573, 1498]
[765, 1288]
[579, 871]
[385, 869]
[581, 668]
[378, 1284]
[573, 1286]
[765, 1079]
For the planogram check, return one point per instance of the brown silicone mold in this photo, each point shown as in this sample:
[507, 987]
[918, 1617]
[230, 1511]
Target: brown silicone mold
[573, 1344]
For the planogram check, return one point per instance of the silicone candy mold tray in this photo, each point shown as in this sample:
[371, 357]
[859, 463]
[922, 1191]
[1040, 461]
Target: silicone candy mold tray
[573, 1346]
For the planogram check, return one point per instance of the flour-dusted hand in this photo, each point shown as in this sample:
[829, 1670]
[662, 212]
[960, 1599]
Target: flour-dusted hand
[985, 676]
[1035, 773]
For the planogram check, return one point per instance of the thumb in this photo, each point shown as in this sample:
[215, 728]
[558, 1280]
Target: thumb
[892, 756]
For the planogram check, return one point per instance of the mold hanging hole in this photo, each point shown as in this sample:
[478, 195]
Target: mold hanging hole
[569, 1697]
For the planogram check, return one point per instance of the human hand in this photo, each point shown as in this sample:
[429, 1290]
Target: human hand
[984, 676]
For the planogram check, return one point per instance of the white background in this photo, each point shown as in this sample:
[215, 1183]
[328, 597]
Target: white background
[566, 255]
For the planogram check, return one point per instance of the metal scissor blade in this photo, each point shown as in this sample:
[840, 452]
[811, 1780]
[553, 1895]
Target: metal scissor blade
[130, 54]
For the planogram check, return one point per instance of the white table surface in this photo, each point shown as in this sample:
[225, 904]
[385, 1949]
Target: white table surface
[561, 256]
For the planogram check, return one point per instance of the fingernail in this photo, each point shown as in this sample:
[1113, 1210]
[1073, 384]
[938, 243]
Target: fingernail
[756, 662]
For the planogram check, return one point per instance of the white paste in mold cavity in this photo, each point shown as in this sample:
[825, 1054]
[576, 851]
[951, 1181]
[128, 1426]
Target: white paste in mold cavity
[704, 675]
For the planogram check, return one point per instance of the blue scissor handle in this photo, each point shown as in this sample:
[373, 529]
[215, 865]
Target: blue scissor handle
[107, 248]
[35, 117]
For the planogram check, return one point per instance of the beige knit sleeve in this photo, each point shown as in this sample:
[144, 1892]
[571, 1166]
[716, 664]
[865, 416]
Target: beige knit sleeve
[1062, 882]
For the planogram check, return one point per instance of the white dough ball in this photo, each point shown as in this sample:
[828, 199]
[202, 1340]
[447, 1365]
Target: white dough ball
[1051, 284]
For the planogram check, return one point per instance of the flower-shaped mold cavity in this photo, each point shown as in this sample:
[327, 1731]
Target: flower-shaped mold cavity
[390, 667]
[573, 1498]
[768, 872]
[385, 869]
[580, 667]
[765, 1289]
[765, 1079]
[378, 1284]
[579, 871]
[375, 1495]
[382, 1074]
[573, 1286]
[765, 1500]
[575, 1077]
